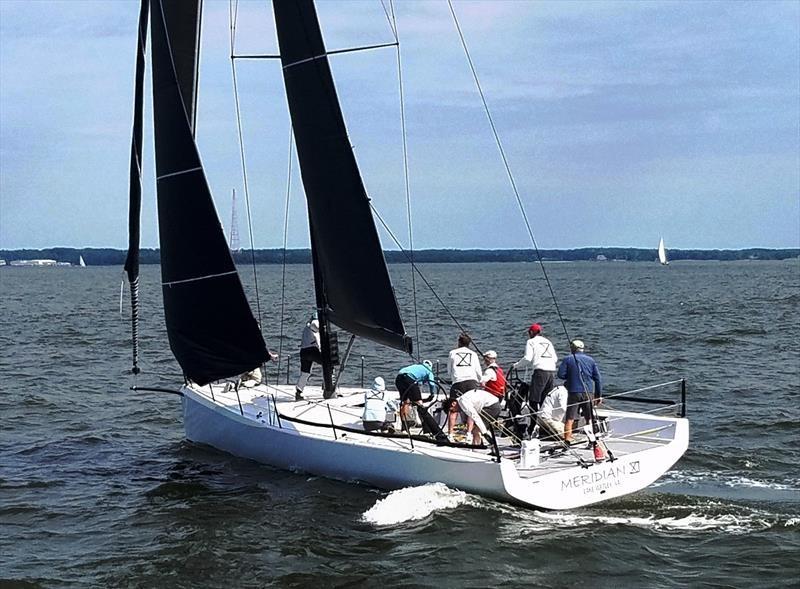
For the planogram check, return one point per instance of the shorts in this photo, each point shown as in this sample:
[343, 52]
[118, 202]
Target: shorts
[309, 356]
[408, 388]
[579, 404]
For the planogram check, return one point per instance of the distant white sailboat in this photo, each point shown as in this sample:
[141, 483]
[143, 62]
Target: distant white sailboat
[81, 263]
[662, 253]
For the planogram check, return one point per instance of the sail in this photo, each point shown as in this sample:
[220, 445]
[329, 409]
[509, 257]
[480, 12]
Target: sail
[356, 289]
[183, 23]
[662, 252]
[211, 328]
[135, 183]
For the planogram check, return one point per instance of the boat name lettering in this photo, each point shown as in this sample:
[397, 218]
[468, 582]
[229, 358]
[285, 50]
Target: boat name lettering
[600, 480]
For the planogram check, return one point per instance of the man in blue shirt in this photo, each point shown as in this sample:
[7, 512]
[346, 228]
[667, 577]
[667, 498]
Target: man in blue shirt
[408, 382]
[582, 377]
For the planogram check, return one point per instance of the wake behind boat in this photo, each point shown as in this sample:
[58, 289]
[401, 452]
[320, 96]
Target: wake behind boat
[216, 339]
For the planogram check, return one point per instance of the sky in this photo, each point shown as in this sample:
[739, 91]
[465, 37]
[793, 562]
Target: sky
[621, 121]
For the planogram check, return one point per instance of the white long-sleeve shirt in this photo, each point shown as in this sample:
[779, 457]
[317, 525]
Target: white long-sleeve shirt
[539, 355]
[554, 405]
[463, 364]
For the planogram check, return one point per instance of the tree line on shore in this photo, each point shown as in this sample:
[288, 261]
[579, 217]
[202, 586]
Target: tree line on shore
[116, 257]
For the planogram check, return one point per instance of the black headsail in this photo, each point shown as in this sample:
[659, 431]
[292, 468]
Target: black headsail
[211, 328]
[351, 278]
[135, 182]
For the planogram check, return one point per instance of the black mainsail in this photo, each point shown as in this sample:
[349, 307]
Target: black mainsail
[351, 278]
[211, 328]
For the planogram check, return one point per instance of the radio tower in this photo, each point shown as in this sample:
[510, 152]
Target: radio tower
[234, 240]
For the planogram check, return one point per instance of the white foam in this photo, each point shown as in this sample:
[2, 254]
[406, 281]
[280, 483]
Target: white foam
[726, 479]
[413, 503]
[696, 522]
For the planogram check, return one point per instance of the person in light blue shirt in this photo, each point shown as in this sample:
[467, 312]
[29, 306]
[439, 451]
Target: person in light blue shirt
[584, 386]
[408, 383]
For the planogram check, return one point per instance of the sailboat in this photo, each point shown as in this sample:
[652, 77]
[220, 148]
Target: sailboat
[81, 263]
[662, 253]
[215, 337]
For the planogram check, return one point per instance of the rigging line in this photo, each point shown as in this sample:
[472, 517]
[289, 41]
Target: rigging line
[519, 202]
[392, 23]
[404, 134]
[421, 275]
[508, 169]
[285, 239]
[233, 15]
[326, 54]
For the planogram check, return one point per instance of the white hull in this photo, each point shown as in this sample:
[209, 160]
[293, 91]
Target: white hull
[559, 482]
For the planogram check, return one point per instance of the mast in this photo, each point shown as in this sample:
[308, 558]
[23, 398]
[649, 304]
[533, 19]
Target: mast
[352, 284]
[328, 389]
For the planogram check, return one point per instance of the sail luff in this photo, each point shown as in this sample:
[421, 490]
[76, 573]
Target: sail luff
[211, 328]
[358, 294]
[135, 182]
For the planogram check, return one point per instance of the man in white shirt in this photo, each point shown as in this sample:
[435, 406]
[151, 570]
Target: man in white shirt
[551, 414]
[540, 355]
[485, 400]
[310, 354]
[464, 371]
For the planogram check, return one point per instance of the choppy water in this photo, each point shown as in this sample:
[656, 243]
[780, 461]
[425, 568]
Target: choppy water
[99, 488]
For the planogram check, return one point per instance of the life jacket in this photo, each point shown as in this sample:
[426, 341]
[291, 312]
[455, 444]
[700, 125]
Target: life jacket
[497, 386]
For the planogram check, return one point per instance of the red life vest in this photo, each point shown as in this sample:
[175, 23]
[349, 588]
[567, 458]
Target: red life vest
[497, 386]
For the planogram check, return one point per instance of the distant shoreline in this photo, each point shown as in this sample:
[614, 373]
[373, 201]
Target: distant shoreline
[116, 257]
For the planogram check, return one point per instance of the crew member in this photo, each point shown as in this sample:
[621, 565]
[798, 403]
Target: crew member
[551, 413]
[377, 409]
[408, 383]
[464, 372]
[540, 355]
[310, 354]
[484, 400]
[584, 387]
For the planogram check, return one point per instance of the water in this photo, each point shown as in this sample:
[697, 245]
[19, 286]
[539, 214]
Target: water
[99, 488]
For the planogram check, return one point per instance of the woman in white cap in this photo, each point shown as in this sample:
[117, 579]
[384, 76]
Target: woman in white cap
[376, 408]
[484, 400]
[310, 354]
